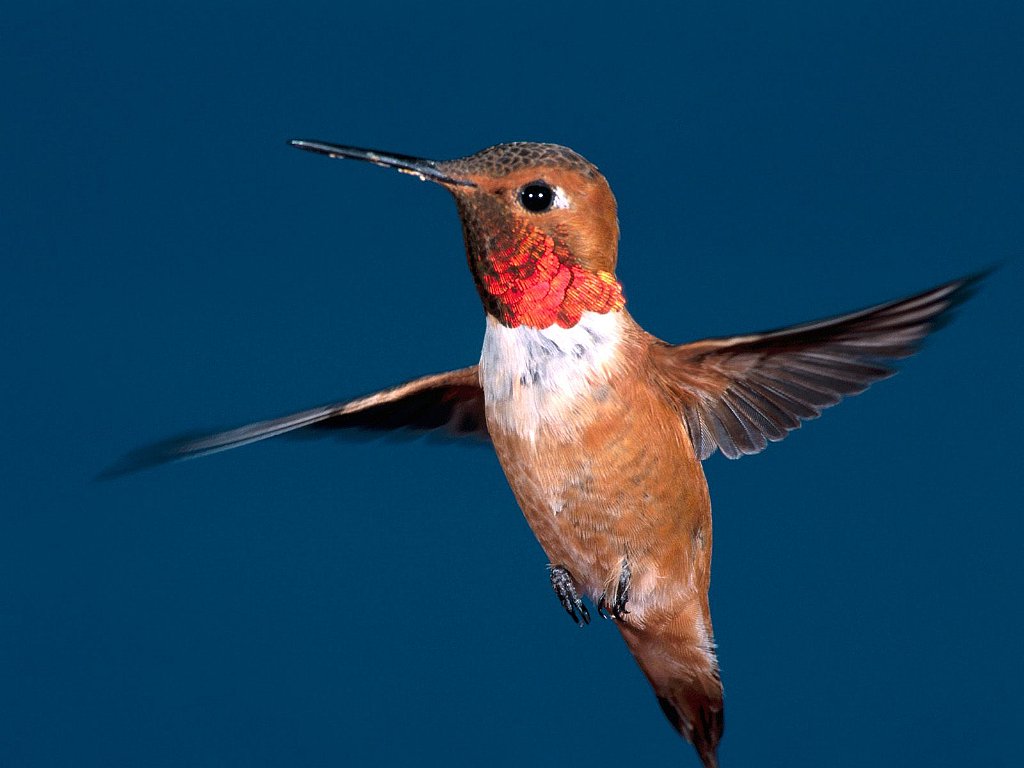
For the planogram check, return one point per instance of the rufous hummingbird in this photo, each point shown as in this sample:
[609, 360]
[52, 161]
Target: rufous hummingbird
[599, 426]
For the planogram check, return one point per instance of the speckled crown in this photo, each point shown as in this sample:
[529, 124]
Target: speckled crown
[503, 159]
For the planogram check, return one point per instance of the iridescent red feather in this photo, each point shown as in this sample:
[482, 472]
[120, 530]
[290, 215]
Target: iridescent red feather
[534, 282]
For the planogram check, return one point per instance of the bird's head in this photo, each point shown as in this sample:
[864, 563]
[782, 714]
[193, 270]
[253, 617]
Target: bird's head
[539, 223]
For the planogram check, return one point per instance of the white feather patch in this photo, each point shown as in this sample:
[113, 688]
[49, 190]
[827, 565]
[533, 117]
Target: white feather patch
[561, 199]
[533, 379]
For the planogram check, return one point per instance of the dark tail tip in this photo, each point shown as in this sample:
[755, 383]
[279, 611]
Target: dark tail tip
[699, 722]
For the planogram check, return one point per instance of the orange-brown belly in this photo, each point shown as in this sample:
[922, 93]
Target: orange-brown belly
[625, 487]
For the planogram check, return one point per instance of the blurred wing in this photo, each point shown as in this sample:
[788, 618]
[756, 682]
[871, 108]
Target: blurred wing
[739, 393]
[453, 401]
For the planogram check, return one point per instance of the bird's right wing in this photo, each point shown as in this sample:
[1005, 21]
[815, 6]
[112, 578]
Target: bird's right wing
[453, 401]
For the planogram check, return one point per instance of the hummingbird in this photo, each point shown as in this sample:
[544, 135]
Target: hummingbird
[600, 427]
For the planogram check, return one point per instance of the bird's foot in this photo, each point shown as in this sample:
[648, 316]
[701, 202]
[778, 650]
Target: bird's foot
[615, 608]
[565, 587]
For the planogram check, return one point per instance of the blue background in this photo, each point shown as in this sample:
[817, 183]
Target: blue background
[169, 263]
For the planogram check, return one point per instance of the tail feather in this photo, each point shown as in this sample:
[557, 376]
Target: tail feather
[697, 715]
[678, 658]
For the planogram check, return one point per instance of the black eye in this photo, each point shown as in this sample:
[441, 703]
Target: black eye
[536, 197]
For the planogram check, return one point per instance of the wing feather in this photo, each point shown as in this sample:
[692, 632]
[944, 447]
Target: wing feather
[453, 401]
[738, 394]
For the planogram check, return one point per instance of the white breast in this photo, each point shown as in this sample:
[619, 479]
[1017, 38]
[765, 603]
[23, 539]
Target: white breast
[536, 379]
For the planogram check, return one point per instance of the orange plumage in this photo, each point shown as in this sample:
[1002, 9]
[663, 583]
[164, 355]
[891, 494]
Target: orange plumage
[600, 427]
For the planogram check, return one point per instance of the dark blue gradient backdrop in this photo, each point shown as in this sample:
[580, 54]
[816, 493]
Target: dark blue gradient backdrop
[168, 264]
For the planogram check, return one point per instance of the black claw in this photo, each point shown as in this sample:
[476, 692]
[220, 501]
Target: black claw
[565, 588]
[617, 609]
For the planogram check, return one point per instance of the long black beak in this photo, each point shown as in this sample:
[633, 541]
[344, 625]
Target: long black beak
[427, 170]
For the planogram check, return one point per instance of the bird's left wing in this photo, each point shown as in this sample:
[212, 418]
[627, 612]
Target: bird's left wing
[453, 401]
[739, 393]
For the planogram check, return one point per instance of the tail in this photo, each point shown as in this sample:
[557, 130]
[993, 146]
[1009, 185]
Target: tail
[678, 658]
